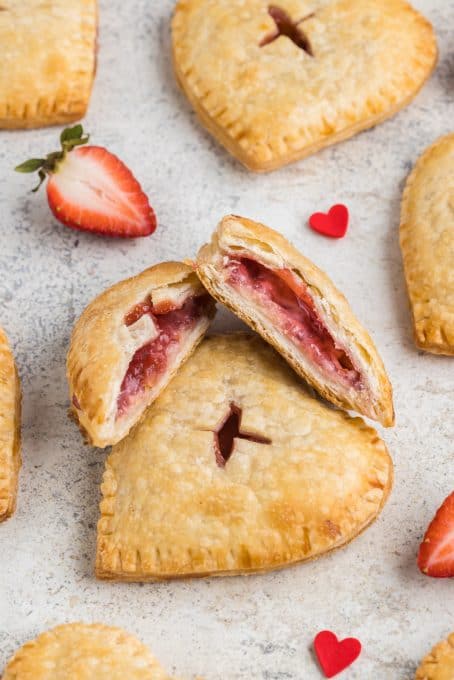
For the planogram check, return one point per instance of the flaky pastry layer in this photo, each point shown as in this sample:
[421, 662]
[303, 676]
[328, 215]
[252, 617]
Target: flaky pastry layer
[427, 244]
[10, 433]
[238, 236]
[169, 510]
[439, 664]
[78, 651]
[103, 345]
[48, 61]
[271, 104]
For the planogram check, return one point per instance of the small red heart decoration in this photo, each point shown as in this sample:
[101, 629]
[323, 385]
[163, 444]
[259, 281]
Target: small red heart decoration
[334, 224]
[335, 656]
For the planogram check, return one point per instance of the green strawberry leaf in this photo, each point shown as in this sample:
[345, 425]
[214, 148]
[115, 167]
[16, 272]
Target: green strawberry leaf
[71, 133]
[31, 165]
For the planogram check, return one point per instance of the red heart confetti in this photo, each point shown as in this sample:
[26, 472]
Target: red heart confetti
[334, 224]
[334, 656]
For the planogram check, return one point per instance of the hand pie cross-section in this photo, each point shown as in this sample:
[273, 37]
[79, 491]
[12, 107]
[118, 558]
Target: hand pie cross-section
[265, 281]
[10, 415]
[129, 342]
[77, 651]
[235, 468]
[277, 80]
[48, 61]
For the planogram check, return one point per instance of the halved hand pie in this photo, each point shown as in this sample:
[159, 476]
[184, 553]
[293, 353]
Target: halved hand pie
[10, 413]
[277, 81]
[236, 468]
[427, 243]
[265, 281]
[48, 61]
[439, 664]
[78, 651]
[129, 342]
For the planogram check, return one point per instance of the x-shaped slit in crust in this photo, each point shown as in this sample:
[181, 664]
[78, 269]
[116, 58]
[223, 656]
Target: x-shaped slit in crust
[228, 431]
[287, 27]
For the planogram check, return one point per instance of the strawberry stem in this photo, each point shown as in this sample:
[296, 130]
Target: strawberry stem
[69, 138]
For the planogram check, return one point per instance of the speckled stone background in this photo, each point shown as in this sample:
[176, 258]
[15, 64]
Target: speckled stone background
[233, 628]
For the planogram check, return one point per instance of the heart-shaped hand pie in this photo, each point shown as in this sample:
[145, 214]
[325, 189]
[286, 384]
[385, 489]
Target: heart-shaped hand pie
[277, 82]
[77, 651]
[335, 655]
[333, 224]
[427, 244]
[10, 411]
[439, 664]
[235, 468]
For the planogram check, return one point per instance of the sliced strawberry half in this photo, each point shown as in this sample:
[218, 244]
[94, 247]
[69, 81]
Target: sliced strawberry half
[436, 553]
[91, 189]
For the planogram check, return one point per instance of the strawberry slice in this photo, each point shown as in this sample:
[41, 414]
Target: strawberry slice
[436, 553]
[91, 189]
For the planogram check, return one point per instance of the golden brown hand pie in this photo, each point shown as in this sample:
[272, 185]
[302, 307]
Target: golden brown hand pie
[265, 281]
[236, 468]
[48, 61]
[129, 342]
[10, 412]
[277, 81]
[78, 651]
[439, 664]
[427, 243]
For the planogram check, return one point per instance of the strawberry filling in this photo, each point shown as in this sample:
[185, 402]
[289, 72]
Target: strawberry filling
[151, 360]
[286, 301]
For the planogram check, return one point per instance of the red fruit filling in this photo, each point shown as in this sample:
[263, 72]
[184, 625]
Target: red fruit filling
[150, 361]
[288, 304]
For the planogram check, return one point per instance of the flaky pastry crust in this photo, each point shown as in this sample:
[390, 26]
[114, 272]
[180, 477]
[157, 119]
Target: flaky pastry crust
[10, 434]
[439, 664]
[78, 651]
[427, 244]
[102, 346]
[273, 104]
[240, 236]
[170, 511]
[48, 61]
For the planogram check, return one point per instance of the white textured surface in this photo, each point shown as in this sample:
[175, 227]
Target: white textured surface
[257, 627]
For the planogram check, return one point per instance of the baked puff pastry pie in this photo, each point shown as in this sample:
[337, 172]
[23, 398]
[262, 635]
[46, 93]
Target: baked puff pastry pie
[48, 61]
[236, 468]
[439, 664]
[10, 414]
[265, 281]
[275, 81]
[78, 651]
[427, 244]
[129, 342]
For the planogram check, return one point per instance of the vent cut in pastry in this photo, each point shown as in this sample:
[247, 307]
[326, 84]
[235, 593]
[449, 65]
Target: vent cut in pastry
[10, 413]
[439, 664]
[427, 243]
[78, 651]
[48, 61]
[265, 281]
[234, 469]
[275, 81]
[129, 342]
